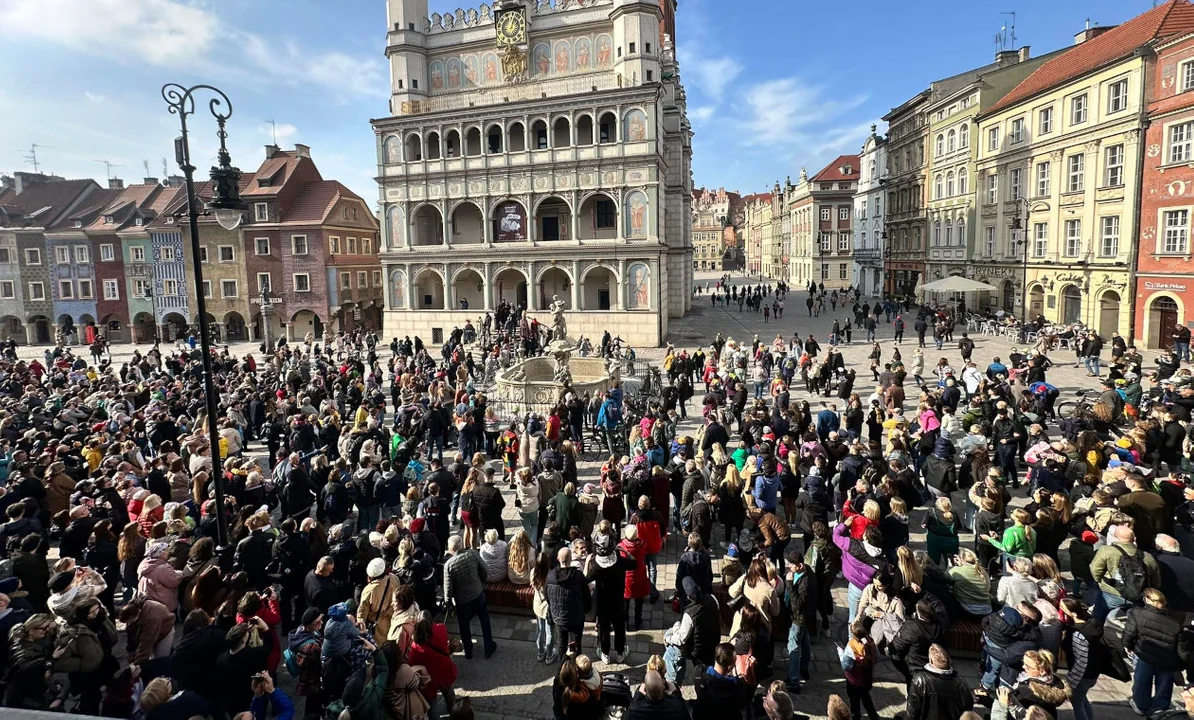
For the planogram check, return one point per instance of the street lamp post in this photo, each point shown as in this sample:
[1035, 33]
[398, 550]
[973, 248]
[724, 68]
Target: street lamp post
[1020, 226]
[228, 209]
[886, 258]
[267, 310]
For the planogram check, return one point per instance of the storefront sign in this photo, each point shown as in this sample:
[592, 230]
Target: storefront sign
[999, 272]
[1177, 287]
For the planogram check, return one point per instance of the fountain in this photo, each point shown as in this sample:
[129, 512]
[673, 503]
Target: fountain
[537, 384]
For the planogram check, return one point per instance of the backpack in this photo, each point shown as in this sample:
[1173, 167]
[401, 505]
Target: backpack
[291, 660]
[410, 475]
[331, 501]
[1133, 577]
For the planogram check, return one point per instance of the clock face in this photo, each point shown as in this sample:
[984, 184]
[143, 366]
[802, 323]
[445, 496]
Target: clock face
[511, 28]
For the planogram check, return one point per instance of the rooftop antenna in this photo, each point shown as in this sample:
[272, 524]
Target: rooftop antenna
[273, 131]
[165, 172]
[145, 164]
[1009, 31]
[108, 166]
[31, 157]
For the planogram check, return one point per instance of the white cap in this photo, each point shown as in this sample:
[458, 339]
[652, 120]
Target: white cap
[375, 568]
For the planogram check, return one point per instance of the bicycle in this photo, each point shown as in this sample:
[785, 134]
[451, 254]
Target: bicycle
[1067, 408]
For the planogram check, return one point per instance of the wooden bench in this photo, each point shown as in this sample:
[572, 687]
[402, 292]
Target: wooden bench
[964, 637]
[506, 596]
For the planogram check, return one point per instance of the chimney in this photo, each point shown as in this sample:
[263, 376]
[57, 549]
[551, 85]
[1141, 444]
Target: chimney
[1006, 57]
[115, 184]
[6, 182]
[1090, 33]
[150, 181]
[301, 150]
[270, 151]
[1025, 53]
[175, 181]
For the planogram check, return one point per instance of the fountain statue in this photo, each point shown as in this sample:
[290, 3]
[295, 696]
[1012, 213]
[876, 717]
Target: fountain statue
[558, 322]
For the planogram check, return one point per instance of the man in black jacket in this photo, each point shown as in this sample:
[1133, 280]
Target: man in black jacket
[715, 432]
[569, 599]
[192, 663]
[802, 602]
[489, 503]
[653, 702]
[937, 691]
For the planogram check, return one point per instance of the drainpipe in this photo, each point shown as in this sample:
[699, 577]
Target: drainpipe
[1138, 201]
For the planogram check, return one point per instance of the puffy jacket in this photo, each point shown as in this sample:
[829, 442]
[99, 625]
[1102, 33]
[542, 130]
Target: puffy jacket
[159, 581]
[636, 583]
[1087, 651]
[567, 596]
[154, 623]
[697, 565]
[765, 491]
[527, 496]
[1155, 637]
[938, 694]
[912, 641]
[84, 649]
[857, 571]
[437, 658]
[1046, 693]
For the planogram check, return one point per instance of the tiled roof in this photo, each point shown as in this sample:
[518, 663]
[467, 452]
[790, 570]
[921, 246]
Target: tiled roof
[315, 202]
[833, 171]
[123, 206]
[757, 197]
[276, 170]
[91, 208]
[52, 198]
[1164, 21]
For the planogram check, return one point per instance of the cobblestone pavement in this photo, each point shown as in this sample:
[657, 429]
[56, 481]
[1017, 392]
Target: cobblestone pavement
[512, 685]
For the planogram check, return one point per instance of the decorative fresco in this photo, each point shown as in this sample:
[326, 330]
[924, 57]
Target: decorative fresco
[638, 287]
[634, 126]
[636, 205]
[546, 58]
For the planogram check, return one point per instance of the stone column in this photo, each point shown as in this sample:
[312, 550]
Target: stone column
[575, 285]
[449, 291]
[447, 225]
[576, 217]
[30, 334]
[487, 225]
[487, 273]
[618, 210]
[532, 288]
[619, 300]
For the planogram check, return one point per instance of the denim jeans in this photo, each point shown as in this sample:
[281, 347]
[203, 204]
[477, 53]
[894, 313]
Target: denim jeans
[545, 635]
[1082, 708]
[799, 653]
[367, 517]
[464, 618]
[530, 523]
[1092, 365]
[1144, 680]
[1181, 351]
[673, 663]
[854, 595]
[435, 447]
[758, 389]
[991, 667]
[1105, 603]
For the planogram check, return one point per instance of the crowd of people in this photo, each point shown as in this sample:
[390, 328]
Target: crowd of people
[368, 508]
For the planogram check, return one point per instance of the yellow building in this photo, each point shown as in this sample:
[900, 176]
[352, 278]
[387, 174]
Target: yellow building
[1060, 154]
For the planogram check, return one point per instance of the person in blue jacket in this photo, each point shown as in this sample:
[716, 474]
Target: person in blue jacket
[767, 486]
[265, 695]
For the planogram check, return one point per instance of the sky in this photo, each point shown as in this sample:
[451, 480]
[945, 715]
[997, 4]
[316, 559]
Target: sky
[772, 85]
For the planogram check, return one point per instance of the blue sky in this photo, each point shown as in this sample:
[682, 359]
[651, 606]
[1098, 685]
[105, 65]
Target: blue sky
[772, 85]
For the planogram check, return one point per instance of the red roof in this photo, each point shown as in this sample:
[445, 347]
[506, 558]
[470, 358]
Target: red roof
[1164, 21]
[316, 200]
[835, 170]
[757, 197]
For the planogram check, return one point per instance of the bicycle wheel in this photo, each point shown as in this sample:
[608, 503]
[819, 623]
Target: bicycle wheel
[1065, 409]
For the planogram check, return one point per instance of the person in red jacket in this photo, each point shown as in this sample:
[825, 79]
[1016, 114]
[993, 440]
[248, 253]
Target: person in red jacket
[267, 608]
[430, 649]
[652, 532]
[638, 586]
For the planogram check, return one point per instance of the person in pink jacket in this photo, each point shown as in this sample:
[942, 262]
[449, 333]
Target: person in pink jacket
[157, 579]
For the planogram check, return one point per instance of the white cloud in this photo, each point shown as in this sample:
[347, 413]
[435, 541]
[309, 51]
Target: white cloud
[94, 97]
[779, 111]
[710, 75]
[702, 114]
[287, 62]
[160, 32]
[282, 132]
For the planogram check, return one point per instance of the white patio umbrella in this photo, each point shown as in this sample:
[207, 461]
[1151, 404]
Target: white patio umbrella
[953, 283]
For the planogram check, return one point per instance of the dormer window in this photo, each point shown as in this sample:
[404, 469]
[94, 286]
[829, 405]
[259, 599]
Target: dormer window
[79, 223]
[169, 219]
[261, 212]
[138, 222]
[108, 219]
[846, 170]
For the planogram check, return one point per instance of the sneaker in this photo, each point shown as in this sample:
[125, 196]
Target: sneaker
[551, 658]
[1136, 708]
[542, 655]
[620, 658]
[605, 658]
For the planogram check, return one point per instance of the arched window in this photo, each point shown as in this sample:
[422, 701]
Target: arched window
[938, 188]
[963, 182]
[953, 141]
[964, 136]
[949, 233]
[962, 233]
[949, 183]
[937, 233]
[940, 144]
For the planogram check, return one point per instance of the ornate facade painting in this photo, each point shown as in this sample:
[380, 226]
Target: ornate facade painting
[636, 214]
[638, 287]
[563, 55]
[605, 49]
[636, 126]
[471, 69]
[583, 49]
[454, 71]
[437, 75]
[397, 289]
[394, 226]
[542, 55]
[490, 63]
[392, 149]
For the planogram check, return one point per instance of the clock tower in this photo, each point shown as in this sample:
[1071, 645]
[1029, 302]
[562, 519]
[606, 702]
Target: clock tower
[406, 44]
